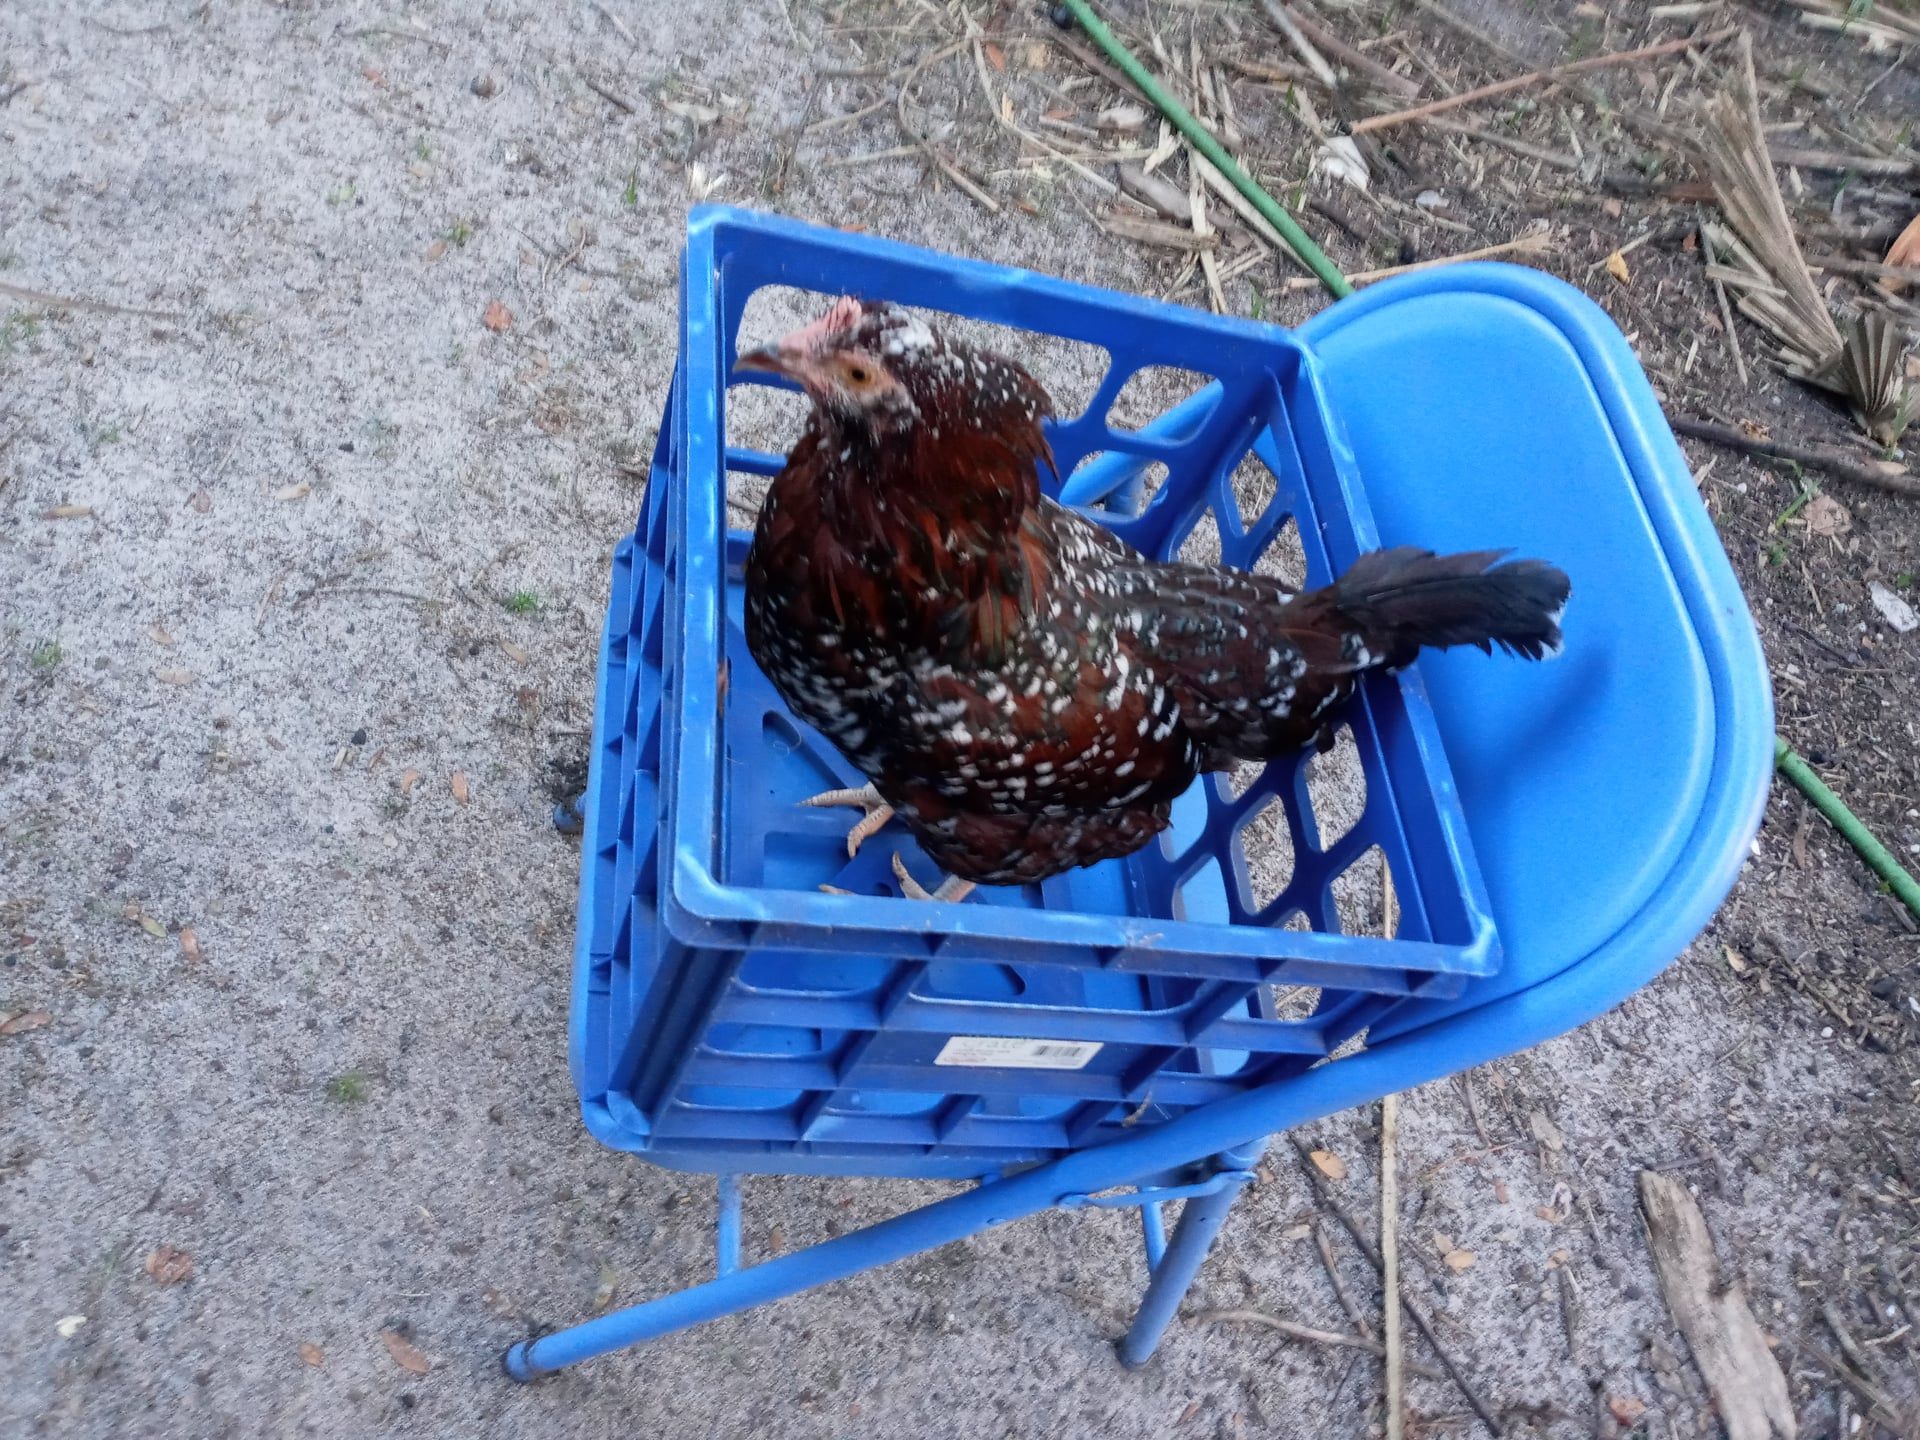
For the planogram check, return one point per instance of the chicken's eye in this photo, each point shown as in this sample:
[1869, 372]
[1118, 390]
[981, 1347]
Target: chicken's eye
[859, 374]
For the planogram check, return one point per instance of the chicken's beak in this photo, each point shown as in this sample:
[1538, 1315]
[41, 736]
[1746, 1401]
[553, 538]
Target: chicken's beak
[770, 360]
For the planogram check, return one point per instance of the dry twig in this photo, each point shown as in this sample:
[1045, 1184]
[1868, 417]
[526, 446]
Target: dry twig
[1414, 1312]
[1390, 1264]
[1893, 479]
[1308, 1332]
[96, 307]
[1339, 1286]
[1539, 77]
[1532, 243]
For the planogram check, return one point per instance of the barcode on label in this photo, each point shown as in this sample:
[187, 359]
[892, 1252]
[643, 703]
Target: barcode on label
[1015, 1054]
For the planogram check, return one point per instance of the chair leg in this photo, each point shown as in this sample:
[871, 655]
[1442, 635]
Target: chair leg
[927, 1228]
[727, 1227]
[1153, 1230]
[1200, 1221]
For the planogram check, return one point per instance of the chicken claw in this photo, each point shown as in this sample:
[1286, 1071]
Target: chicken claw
[866, 798]
[952, 889]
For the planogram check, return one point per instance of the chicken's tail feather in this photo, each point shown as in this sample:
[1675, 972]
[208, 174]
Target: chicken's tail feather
[1403, 600]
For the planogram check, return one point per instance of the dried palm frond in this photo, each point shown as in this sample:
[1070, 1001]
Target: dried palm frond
[1733, 152]
[1759, 257]
[1871, 372]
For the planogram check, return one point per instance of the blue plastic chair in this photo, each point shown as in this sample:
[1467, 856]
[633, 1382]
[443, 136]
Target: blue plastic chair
[1612, 796]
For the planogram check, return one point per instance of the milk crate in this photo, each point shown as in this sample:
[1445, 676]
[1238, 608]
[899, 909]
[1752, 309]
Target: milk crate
[729, 1014]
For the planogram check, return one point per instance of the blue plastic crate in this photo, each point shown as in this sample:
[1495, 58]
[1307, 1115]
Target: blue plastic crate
[730, 1015]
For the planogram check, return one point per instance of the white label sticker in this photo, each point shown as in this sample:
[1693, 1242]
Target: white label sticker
[1014, 1054]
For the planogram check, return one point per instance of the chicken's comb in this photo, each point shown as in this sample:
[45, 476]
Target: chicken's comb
[842, 317]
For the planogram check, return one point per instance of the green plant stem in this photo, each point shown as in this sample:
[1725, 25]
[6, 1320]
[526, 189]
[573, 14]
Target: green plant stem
[1879, 859]
[1203, 140]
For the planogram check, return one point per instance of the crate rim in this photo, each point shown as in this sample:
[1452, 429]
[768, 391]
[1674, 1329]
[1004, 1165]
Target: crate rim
[700, 906]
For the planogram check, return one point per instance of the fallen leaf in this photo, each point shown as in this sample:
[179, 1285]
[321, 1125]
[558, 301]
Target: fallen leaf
[158, 634]
[1328, 1164]
[201, 501]
[1736, 962]
[700, 184]
[167, 1265]
[1500, 1192]
[1296, 1232]
[1895, 611]
[1340, 157]
[26, 1020]
[1904, 252]
[405, 1353]
[1617, 268]
[1059, 112]
[1121, 117]
[606, 1289]
[408, 779]
[1442, 1241]
[373, 76]
[1827, 516]
[299, 490]
[1691, 243]
[1614, 208]
[515, 653]
[691, 110]
[497, 1303]
[69, 1325]
[1458, 1260]
[1559, 1258]
[189, 944]
[435, 251]
[174, 677]
[69, 512]
[1626, 1409]
[458, 784]
[312, 1354]
[153, 927]
[997, 58]
[1548, 1214]
[1546, 1132]
[496, 317]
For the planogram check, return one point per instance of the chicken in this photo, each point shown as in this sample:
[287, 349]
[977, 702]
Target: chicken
[1025, 691]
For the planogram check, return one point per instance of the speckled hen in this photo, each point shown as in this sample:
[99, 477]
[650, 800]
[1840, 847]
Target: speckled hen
[1023, 689]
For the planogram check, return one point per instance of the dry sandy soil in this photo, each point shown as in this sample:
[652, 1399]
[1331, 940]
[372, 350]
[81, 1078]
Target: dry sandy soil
[301, 572]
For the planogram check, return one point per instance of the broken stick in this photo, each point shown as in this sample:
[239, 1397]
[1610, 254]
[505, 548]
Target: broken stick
[1390, 1265]
[1727, 1344]
[1893, 479]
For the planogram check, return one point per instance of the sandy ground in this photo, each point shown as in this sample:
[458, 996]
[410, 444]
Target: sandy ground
[301, 571]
